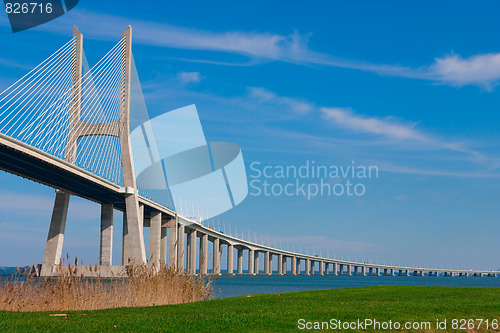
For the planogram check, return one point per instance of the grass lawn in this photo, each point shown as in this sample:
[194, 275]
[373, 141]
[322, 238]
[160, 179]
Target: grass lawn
[277, 312]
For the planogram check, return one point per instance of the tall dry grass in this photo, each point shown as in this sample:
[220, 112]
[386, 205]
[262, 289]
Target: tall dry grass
[143, 286]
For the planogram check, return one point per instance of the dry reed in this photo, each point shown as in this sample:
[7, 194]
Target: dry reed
[143, 286]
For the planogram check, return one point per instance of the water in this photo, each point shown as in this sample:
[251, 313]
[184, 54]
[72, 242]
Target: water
[230, 286]
[240, 285]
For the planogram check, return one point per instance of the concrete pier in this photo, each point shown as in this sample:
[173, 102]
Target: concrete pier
[106, 245]
[308, 268]
[321, 268]
[204, 254]
[155, 239]
[191, 245]
[180, 247]
[250, 261]
[266, 262]
[217, 254]
[173, 243]
[280, 264]
[256, 262]
[298, 266]
[230, 260]
[294, 265]
[240, 261]
[55, 238]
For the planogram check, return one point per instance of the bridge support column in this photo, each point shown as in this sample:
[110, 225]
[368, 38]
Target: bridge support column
[230, 260]
[217, 254]
[356, 270]
[284, 265]
[393, 272]
[266, 263]
[191, 244]
[298, 266]
[163, 241]
[204, 254]
[321, 268]
[407, 273]
[294, 265]
[180, 246]
[335, 269]
[106, 245]
[240, 261]
[280, 264]
[363, 270]
[173, 243]
[55, 238]
[134, 248]
[250, 261]
[349, 270]
[256, 262]
[341, 269]
[155, 239]
[327, 268]
[308, 267]
[270, 263]
[313, 268]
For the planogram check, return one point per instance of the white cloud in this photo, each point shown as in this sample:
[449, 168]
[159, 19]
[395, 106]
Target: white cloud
[391, 128]
[482, 70]
[186, 78]
[265, 96]
[346, 118]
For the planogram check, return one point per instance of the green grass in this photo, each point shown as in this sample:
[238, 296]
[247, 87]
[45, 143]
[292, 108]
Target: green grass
[275, 312]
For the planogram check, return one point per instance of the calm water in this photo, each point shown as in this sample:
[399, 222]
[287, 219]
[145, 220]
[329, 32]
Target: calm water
[230, 286]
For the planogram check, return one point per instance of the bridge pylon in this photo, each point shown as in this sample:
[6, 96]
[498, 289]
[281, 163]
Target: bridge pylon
[133, 250]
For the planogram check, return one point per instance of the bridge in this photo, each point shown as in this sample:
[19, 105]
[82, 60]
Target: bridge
[73, 128]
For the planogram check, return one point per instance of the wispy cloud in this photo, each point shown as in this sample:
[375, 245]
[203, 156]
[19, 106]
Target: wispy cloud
[186, 78]
[481, 70]
[392, 128]
[262, 95]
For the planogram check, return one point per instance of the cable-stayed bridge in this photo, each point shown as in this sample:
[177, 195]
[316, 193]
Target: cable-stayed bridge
[77, 129]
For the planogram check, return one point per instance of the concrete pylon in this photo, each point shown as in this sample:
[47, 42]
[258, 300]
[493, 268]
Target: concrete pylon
[163, 241]
[217, 254]
[240, 261]
[230, 260]
[250, 262]
[335, 269]
[106, 244]
[280, 264]
[180, 247]
[321, 268]
[191, 245]
[55, 237]
[266, 263]
[204, 254]
[173, 243]
[256, 263]
[155, 239]
[134, 249]
[294, 265]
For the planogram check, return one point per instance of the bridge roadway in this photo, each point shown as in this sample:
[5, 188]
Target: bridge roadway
[28, 162]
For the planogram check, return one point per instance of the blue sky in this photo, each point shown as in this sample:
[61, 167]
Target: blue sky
[409, 87]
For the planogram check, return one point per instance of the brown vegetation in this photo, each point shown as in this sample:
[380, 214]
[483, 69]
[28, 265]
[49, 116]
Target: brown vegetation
[143, 286]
